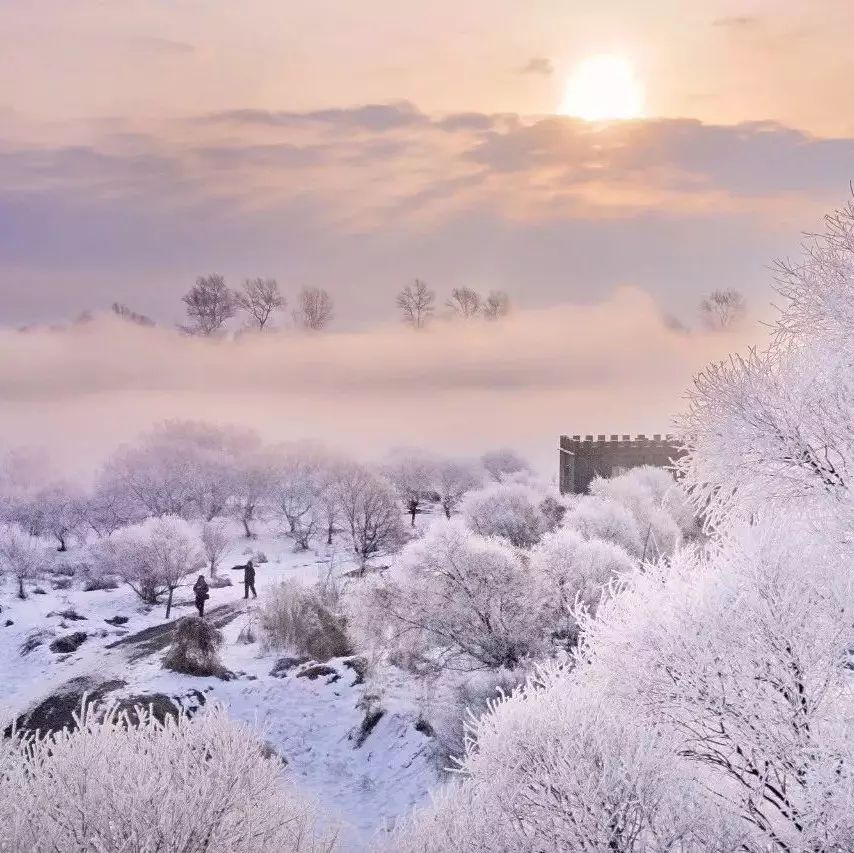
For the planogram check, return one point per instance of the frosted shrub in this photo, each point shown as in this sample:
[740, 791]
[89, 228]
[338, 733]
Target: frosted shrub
[174, 787]
[459, 699]
[552, 770]
[456, 600]
[154, 556]
[601, 518]
[22, 556]
[578, 573]
[304, 620]
[511, 511]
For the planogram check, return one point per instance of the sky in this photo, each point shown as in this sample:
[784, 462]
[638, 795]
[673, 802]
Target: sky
[358, 146]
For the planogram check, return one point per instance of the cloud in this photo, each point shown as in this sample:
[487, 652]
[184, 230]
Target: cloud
[456, 387]
[373, 117]
[538, 65]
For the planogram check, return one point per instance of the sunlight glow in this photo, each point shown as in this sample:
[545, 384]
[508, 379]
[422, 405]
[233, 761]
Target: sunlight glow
[602, 88]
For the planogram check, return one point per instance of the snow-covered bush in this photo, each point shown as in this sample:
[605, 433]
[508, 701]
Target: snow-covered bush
[154, 556]
[22, 556]
[456, 600]
[578, 573]
[648, 494]
[458, 699]
[414, 474]
[305, 620]
[553, 770]
[195, 648]
[511, 511]
[215, 542]
[502, 463]
[142, 786]
[600, 518]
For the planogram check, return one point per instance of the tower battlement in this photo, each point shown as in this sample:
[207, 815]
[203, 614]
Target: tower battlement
[583, 458]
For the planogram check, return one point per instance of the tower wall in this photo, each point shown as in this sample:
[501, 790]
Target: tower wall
[582, 459]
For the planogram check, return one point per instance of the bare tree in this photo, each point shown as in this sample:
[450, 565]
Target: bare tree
[722, 309]
[497, 305]
[259, 298]
[209, 304]
[417, 304]
[125, 313]
[370, 512]
[314, 308]
[465, 302]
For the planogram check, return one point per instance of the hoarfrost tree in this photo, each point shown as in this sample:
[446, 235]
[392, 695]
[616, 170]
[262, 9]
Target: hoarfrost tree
[296, 492]
[22, 556]
[154, 557]
[209, 303]
[454, 479]
[255, 475]
[465, 303]
[215, 542]
[64, 512]
[413, 473]
[496, 306]
[417, 304]
[126, 781]
[314, 309]
[126, 314]
[370, 513]
[605, 519]
[503, 463]
[723, 309]
[459, 601]
[511, 511]
[259, 298]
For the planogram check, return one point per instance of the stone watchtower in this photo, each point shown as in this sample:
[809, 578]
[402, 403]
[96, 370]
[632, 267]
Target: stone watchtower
[583, 459]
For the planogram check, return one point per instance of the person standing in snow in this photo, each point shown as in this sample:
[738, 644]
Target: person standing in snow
[248, 579]
[200, 588]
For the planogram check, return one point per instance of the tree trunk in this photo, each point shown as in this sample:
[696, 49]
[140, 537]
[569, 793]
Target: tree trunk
[169, 602]
[246, 528]
[21, 593]
[213, 568]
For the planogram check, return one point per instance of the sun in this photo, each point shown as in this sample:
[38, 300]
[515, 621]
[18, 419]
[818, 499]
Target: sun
[603, 88]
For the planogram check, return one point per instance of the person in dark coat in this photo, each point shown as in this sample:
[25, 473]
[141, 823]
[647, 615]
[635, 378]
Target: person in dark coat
[201, 590]
[248, 579]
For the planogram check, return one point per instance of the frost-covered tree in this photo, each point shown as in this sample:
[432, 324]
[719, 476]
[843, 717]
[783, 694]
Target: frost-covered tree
[154, 557]
[605, 519]
[578, 572]
[464, 303]
[413, 474]
[314, 309]
[453, 480]
[722, 309]
[496, 306]
[417, 304]
[511, 511]
[127, 782]
[209, 303]
[129, 316]
[502, 463]
[456, 600]
[65, 509]
[215, 542]
[259, 298]
[370, 513]
[23, 556]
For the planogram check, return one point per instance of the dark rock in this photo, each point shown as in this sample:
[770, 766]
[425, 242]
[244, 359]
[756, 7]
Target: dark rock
[284, 665]
[71, 615]
[318, 671]
[369, 723]
[359, 665]
[68, 643]
[424, 727]
[39, 591]
[57, 711]
[117, 620]
[8, 623]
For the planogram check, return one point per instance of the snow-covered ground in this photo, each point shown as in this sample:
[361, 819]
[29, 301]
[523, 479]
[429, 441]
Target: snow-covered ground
[313, 723]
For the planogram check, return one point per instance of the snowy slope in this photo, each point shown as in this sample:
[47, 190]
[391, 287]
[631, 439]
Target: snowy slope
[313, 723]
